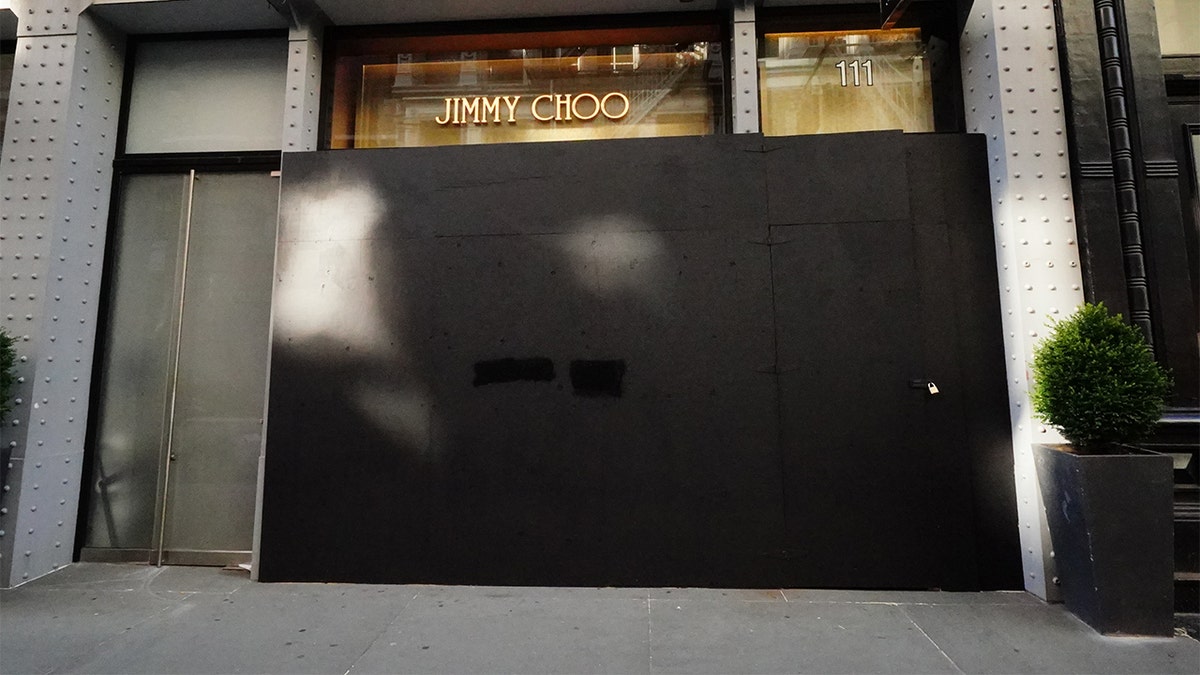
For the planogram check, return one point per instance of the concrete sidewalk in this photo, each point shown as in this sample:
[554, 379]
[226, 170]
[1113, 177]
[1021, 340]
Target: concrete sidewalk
[93, 618]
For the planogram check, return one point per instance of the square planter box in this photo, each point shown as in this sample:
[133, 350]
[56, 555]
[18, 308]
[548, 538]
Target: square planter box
[1110, 519]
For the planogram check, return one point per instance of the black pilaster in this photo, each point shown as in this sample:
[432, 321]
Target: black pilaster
[1133, 247]
[1091, 157]
[1157, 167]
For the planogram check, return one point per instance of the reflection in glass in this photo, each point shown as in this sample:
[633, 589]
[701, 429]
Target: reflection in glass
[413, 98]
[184, 363]
[834, 82]
[222, 364]
[136, 379]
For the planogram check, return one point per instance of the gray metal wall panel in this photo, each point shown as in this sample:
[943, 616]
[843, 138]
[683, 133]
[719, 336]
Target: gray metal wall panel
[302, 100]
[57, 168]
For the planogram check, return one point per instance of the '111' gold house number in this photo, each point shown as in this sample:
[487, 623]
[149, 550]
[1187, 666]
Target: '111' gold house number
[543, 108]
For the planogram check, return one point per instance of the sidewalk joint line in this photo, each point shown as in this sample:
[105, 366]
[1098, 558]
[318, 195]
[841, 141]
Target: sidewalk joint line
[100, 649]
[649, 637]
[931, 641]
[383, 631]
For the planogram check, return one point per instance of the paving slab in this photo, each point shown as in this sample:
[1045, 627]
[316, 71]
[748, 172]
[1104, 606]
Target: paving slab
[910, 597]
[98, 577]
[98, 618]
[260, 628]
[45, 630]
[706, 636]
[199, 580]
[1044, 638]
[719, 594]
[469, 630]
[581, 593]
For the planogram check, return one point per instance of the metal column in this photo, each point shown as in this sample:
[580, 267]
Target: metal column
[1012, 91]
[55, 179]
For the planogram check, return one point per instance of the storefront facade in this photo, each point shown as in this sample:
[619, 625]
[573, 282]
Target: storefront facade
[736, 296]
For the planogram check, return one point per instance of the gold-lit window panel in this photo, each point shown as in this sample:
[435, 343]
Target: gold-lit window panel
[843, 81]
[527, 88]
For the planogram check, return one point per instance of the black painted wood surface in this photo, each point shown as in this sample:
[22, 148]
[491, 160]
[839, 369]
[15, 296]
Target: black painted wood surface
[730, 323]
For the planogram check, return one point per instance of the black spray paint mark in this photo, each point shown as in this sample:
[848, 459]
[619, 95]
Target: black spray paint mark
[597, 378]
[498, 371]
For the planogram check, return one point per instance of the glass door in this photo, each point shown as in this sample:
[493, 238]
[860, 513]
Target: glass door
[184, 369]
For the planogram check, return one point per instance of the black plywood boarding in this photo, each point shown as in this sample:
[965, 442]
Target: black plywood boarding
[680, 362]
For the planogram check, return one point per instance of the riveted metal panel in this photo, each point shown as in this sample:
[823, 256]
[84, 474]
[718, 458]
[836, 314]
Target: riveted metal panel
[744, 66]
[302, 99]
[38, 108]
[40, 528]
[40, 18]
[36, 122]
[1013, 95]
[57, 175]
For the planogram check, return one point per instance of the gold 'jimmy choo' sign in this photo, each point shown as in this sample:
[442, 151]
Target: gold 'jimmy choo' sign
[543, 108]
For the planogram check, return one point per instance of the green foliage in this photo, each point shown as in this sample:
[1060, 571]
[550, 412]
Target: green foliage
[1096, 380]
[8, 357]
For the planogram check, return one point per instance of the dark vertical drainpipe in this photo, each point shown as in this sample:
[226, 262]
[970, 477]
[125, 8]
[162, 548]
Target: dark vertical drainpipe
[1116, 97]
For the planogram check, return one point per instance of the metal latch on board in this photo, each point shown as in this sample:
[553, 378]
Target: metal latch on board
[927, 385]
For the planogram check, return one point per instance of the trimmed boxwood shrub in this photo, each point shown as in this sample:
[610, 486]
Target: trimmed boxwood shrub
[1095, 379]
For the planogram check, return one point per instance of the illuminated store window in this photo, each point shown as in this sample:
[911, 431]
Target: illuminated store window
[525, 87]
[840, 81]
